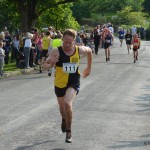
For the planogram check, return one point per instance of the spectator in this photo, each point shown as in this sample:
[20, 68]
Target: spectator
[97, 38]
[142, 32]
[2, 55]
[15, 47]
[134, 30]
[21, 42]
[39, 48]
[7, 46]
[34, 44]
[27, 48]
[2, 37]
[84, 39]
[78, 39]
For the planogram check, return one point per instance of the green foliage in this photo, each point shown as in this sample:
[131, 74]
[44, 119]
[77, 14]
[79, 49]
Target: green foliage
[129, 17]
[10, 67]
[42, 13]
[81, 10]
[136, 5]
[60, 18]
[103, 6]
[25, 14]
[9, 16]
[146, 6]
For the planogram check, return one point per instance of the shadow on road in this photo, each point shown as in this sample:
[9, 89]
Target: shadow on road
[35, 144]
[144, 100]
[144, 106]
[130, 144]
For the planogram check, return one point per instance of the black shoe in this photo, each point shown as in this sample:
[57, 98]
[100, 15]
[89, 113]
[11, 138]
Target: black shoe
[134, 61]
[63, 126]
[40, 71]
[108, 59]
[68, 137]
[49, 74]
[1, 74]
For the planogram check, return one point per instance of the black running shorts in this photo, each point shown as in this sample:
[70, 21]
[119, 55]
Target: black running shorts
[60, 92]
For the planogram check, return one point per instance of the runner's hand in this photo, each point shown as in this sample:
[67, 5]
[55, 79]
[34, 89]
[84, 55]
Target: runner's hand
[86, 72]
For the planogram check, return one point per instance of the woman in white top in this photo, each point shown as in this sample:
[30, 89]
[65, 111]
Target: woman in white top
[27, 48]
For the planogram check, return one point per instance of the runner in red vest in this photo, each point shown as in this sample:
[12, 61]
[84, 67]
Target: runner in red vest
[135, 43]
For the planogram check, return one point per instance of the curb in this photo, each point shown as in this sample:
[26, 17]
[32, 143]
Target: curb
[19, 72]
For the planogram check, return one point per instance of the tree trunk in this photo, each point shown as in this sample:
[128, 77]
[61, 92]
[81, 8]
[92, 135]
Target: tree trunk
[28, 16]
[24, 19]
[32, 14]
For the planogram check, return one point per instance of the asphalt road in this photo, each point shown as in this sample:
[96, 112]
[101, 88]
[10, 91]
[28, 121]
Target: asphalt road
[111, 111]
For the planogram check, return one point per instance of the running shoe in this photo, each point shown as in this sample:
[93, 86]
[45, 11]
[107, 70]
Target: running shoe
[49, 74]
[63, 126]
[68, 136]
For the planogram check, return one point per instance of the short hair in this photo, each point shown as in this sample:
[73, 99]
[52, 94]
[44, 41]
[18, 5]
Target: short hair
[50, 28]
[1, 43]
[70, 32]
[59, 36]
[47, 33]
[29, 35]
[2, 35]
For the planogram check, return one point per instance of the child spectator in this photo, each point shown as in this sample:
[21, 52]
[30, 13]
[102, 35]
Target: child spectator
[2, 55]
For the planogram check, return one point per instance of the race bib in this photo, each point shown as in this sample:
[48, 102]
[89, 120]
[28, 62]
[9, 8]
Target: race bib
[69, 67]
[135, 44]
[107, 41]
[128, 39]
[122, 35]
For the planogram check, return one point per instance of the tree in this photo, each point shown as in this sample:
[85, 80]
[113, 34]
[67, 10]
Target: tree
[137, 5]
[146, 6]
[81, 10]
[130, 17]
[30, 10]
[60, 18]
[9, 16]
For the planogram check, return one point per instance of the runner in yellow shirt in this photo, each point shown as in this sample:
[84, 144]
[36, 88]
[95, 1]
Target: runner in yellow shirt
[45, 46]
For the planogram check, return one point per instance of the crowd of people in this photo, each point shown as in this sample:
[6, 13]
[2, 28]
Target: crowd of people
[27, 49]
[32, 48]
[103, 37]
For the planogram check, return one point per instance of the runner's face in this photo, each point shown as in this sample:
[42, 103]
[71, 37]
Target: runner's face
[68, 42]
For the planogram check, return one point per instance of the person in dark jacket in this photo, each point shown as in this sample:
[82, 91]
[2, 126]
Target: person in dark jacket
[97, 38]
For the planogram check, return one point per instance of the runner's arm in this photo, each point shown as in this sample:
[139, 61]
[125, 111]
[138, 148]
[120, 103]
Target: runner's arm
[52, 59]
[88, 52]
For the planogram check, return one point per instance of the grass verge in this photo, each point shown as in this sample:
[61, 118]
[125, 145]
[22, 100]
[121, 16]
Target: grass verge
[10, 67]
